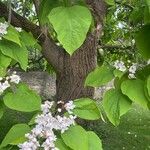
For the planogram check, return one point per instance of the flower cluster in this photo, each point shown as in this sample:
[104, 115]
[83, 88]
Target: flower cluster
[132, 70]
[3, 29]
[7, 81]
[120, 65]
[43, 134]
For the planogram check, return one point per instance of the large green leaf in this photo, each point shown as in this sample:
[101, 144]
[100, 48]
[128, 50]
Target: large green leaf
[86, 109]
[71, 25]
[76, 138]
[4, 63]
[15, 135]
[134, 89]
[61, 145]
[12, 35]
[94, 141]
[143, 41]
[115, 104]
[19, 53]
[22, 99]
[99, 76]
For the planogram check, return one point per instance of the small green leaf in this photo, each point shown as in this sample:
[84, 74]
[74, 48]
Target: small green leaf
[99, 76]
[118, 73]
[71, 25]
[143, 41]
[134, 89]
[115, 104]
[23, 99]
[61, 145]
[76, 138]
[12, 35]
[4, 63]
[27, 38]
[94, 141]
[15, 135]
[110, 2]
[86, 109]
[12, 50]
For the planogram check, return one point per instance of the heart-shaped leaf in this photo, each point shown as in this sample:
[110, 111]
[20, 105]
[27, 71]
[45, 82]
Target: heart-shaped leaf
[71, 25]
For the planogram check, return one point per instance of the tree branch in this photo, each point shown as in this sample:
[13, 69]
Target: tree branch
[19, 21]
[50, 50]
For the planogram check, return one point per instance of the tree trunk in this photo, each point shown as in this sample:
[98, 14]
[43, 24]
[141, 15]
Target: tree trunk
[70, 80]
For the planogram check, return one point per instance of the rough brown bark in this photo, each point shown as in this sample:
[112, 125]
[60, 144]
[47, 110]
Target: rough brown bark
[70, 81]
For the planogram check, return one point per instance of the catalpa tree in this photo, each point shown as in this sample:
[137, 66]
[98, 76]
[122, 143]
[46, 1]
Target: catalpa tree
[88, 43]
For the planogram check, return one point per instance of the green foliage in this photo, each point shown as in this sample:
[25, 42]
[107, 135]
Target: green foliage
[143, 41]
[100, 76]
[110, 2]
[148, 85]
[13, 35]
[94, 141]
[15, 135]
[86, 109]
[71, 28]
[61, 145]
[134, 89]
[76, 138]
[115, 105]
[4, 63]
[1, 109]
[15, 52]
[22, 99]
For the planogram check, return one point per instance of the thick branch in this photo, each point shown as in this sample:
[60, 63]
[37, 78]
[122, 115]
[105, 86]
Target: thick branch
[19, 21]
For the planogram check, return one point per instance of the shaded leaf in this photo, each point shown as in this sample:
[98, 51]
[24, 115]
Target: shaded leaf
[23, 99]
[134, 89]
[143, 41]
[12, 50]
[86, 108]
[99, 76]
[115, 104]
[15, 135]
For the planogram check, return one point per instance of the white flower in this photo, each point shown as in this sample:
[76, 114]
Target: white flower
[133, 68]
[1, 88]
[3, 28]
[120, 65]
[15, 79]
[131, 76]
[132, 71]
[18, 29]
[148, 62]
[69, 107]
[5, 85]
[46, 106]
